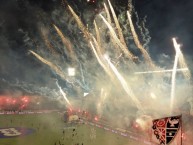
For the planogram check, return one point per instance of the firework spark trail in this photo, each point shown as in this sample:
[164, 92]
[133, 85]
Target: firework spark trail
[109, 21]
[137, 42]
[47, 42]
[63, 94]
[83, 86]
[177, 49]
[148, 38]
[139, 27]
[98, 37]
[103, 96]
[125, 86]
[85, 32]
[108, 14]
[82, 75]
[120, 34]
[66, 42]
[163, 71]
[51, 65]
[98, 48]
[100, 62]
[80, 24]
[130, 6]
[144, 32]
[183, 64]
[117, 41]
[99, 57]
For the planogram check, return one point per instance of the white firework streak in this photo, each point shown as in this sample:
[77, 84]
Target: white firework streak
[161, 71]
[177, 49]
[63, 94]
[125, 86]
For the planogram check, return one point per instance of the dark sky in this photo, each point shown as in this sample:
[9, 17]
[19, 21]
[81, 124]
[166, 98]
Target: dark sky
[165, 19]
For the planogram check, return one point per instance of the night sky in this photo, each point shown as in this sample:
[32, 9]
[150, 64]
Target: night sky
[20, 18]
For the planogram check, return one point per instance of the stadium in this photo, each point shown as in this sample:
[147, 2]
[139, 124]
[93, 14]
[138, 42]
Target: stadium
[86, 73]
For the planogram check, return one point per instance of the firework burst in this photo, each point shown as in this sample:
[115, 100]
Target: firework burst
[103, 58]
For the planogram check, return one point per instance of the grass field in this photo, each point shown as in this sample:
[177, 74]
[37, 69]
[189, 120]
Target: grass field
[50, 130]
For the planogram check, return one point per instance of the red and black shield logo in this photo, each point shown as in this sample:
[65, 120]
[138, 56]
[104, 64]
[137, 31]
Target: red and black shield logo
[165, 129]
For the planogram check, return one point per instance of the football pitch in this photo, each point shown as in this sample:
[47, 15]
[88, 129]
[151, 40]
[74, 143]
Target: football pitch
[49, 129]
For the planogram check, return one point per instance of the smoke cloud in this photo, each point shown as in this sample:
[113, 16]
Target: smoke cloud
[34, 30]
